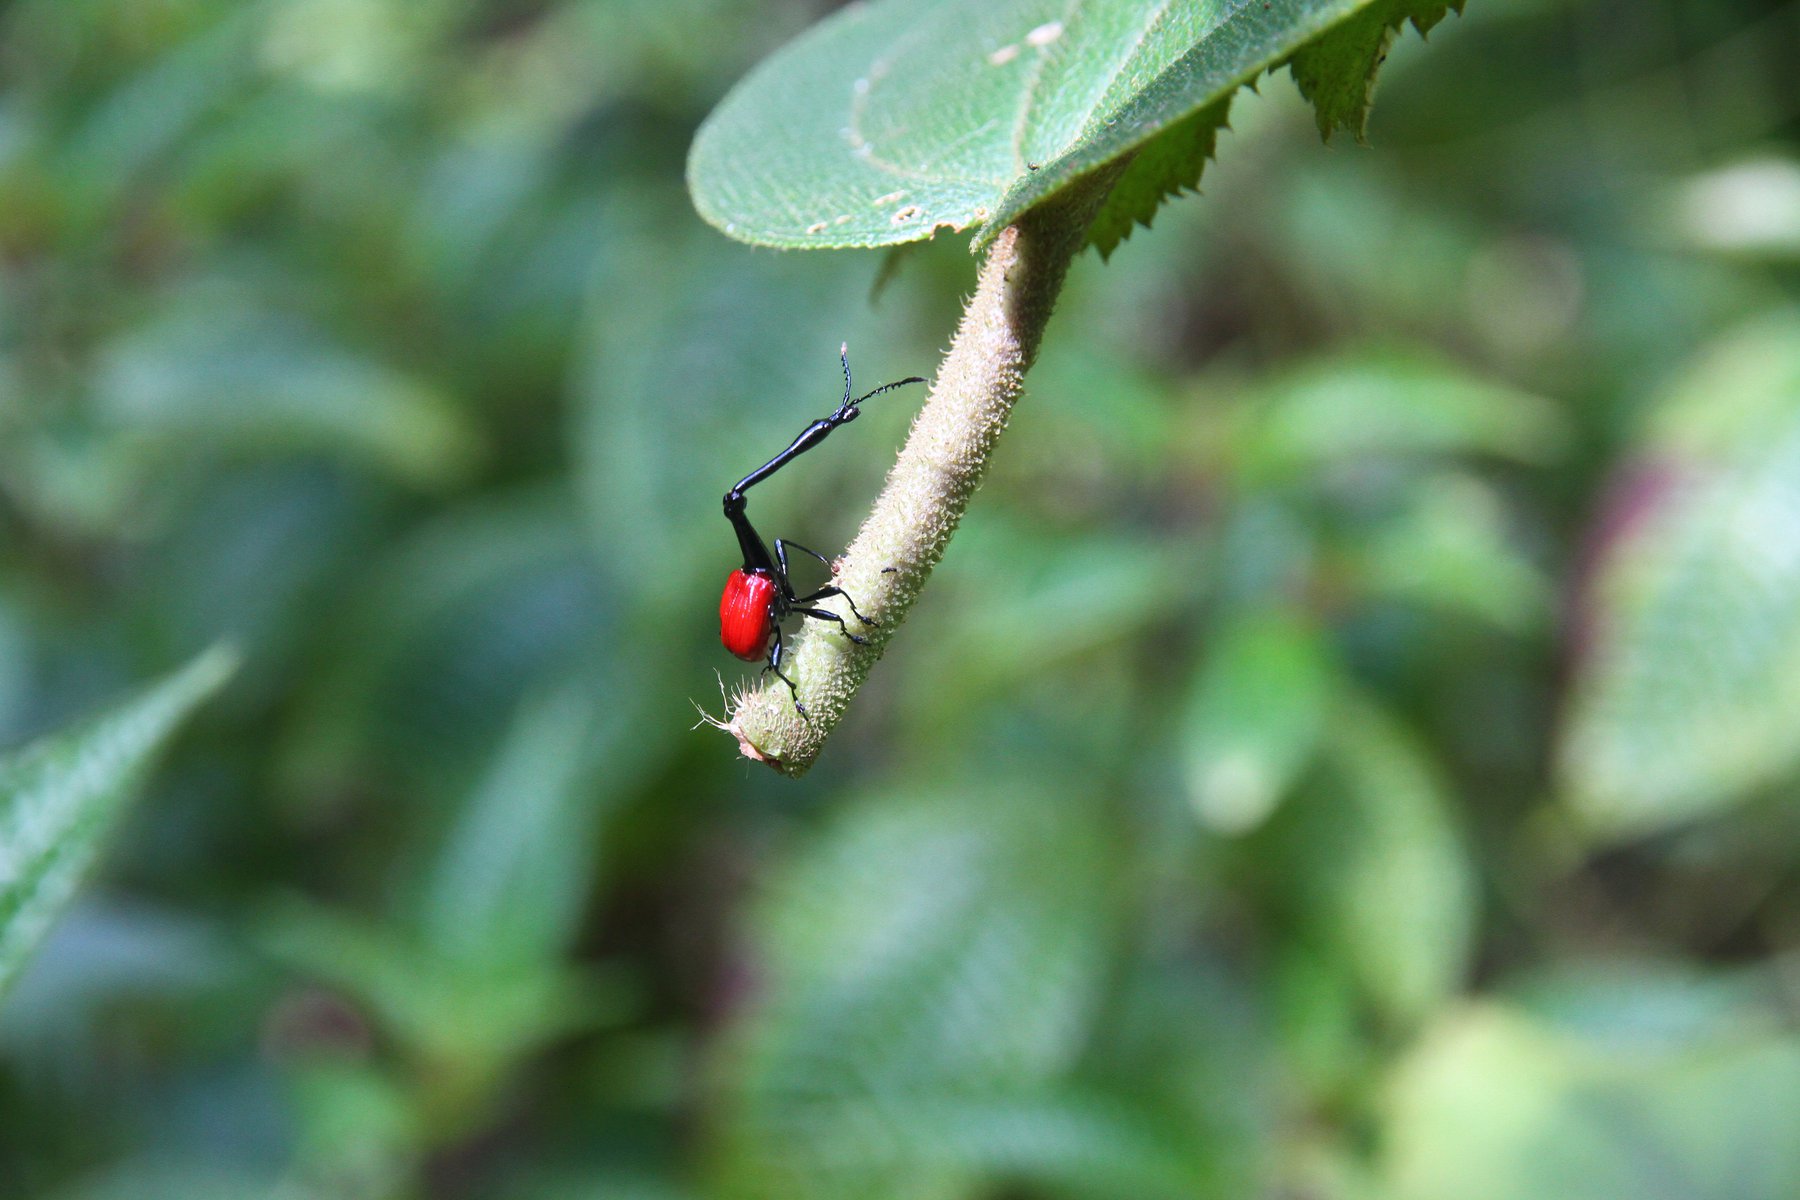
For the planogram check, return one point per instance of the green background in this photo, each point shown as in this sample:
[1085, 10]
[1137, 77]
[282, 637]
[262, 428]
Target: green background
[1348, 752]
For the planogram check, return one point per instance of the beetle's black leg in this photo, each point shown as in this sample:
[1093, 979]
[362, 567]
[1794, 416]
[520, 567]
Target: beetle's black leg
[787, 583]
[825, 593]
[782, 546]
[830, 590]
[825, 614]
[775, 666]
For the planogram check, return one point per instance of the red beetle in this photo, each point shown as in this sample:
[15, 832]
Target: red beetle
[759, 596]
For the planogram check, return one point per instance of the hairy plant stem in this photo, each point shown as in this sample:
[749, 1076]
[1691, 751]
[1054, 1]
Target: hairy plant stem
[931, 483]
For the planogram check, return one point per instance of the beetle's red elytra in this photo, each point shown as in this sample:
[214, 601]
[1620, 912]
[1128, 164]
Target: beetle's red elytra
[747, 614]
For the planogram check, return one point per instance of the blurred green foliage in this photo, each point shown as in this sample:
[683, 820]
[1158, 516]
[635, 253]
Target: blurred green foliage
[61, 796]
[1347, 753]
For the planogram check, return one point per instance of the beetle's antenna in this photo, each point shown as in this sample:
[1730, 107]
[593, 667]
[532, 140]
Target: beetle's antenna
[888, 387]
[848, 404]
[756, 555]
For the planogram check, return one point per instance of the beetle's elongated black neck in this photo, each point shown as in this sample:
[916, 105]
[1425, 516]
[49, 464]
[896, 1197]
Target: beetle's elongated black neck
[811, 436]
[756, 555]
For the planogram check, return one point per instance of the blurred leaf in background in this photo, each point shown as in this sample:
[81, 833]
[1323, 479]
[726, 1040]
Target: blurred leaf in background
[61, 796]
[924, 975]
[1649, 1085]
[1690, 689]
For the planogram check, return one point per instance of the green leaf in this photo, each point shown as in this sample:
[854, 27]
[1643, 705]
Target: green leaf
[891, 120]
[1449, 550]
[1749, 209]
[928, 967]
[156, 1176]
[588, 1180]
[217, 374]
[354, 1125]
[941, 1142]
[62, 795]
[1255, 715]
[480, 978]
[465, 1023]
[512, 883]
[1169, 165]
[1337, 72]
[1208, 1084]
[1397, 403]
[1372, 868]
[1688, 692]
[448, 628]
[1074, 595]
[1494, 1105]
